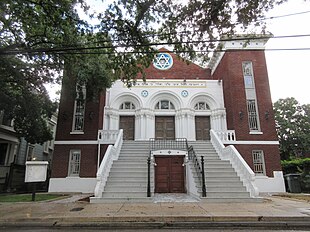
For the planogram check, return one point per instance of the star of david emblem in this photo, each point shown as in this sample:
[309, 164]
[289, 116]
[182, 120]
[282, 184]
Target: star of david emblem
[163, 61]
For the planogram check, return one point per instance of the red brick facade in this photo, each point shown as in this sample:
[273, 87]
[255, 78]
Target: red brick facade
[179, 70]
[229, 71]
[93, 122]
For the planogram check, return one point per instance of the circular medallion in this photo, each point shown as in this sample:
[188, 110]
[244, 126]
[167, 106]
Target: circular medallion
[144, 93]
[163, 61]
[184, 93]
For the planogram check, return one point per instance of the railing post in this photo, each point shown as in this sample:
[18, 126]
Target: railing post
[204, 191]
[149, 177]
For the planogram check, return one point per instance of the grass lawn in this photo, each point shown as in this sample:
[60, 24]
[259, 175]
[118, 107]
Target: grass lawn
[28, 197]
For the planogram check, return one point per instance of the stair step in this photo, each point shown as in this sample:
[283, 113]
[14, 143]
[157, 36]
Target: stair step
[225, 189]
[227, 194]
[124, 194]
[120, 199]
[125, 189]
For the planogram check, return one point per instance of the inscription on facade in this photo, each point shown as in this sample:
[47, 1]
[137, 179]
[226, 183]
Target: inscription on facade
[171, 84]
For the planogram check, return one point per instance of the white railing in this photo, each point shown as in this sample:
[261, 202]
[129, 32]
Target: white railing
[107, 136]
[243, 170]
[110, 155]
[226, 136]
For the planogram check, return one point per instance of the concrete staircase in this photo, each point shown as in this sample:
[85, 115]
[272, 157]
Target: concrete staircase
[128, 176]
[222, 182]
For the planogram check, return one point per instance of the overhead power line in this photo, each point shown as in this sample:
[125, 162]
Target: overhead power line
[286, 15]
[72, 49]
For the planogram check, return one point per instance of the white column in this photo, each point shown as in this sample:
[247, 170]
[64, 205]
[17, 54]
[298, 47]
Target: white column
[191, 135]
[150, 125]
[138, 125]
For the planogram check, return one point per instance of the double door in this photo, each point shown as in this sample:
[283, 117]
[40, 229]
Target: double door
[127, 123]
[169, 174]
[164, 127]
[202, 124]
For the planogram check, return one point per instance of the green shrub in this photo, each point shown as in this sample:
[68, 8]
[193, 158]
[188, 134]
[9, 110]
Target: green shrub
[296, 166]
[301, 166]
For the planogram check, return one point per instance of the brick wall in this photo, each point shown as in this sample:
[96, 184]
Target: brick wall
[180, 70]
[93, 115]
[230, 72]
[88, 163]
[271, 156]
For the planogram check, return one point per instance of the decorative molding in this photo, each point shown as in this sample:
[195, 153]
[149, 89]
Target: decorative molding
[171, 84]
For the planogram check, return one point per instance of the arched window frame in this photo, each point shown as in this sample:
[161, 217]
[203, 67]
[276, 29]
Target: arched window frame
[164, 105]
[201, 105]
[127, 105]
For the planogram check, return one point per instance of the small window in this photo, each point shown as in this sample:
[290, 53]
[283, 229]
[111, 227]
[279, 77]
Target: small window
[259, 162]
[3, 153]
[74, 163]
[202, 106]
[164, 105]
[30, 152]
[247, 68]
[127, 106]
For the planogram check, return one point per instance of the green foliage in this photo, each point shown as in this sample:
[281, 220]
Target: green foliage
[301, 166]
[28, 197]
[296, 166]
[293, 127]
[28, 26]
[40, 40]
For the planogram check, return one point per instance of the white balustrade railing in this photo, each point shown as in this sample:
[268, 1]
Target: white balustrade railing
[111, 154]
[243, 170]
[226, 136]
[107, 136]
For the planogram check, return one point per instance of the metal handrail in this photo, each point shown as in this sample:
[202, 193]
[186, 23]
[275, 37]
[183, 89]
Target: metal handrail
[199, 167]
[161, 144]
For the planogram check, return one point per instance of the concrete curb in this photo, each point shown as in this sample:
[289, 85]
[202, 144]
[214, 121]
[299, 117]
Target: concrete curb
[161, 222]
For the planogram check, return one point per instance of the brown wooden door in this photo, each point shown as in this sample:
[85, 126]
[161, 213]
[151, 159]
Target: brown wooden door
[127, 123]
[202, 124]
[169, 174]
[164, 127]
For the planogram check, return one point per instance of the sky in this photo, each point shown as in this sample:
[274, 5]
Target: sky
[288, 71]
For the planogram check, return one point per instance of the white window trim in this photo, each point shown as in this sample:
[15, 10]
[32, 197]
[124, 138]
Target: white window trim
[261, 152]
[258, 130]
[70, 174]
[74, 112]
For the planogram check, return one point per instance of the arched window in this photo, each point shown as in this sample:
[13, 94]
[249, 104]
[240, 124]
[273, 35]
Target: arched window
[164, 105]
[202, 106]
[127, 106]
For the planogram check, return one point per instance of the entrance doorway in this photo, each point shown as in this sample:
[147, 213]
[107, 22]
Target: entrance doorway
[202, 124]
[127, 123]
[164, 127]
[169, 174]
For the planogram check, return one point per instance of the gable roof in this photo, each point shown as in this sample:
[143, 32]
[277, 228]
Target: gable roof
[181, 69]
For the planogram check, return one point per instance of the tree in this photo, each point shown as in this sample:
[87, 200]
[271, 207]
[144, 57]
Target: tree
[293, 127]
[30, 30]
[39, 39]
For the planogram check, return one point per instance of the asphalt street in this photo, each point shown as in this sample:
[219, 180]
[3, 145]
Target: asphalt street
[149, 230]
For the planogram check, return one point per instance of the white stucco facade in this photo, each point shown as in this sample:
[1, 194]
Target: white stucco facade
[184, 95]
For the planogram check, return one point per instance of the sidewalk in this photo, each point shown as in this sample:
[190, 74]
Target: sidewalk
[273, 211]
